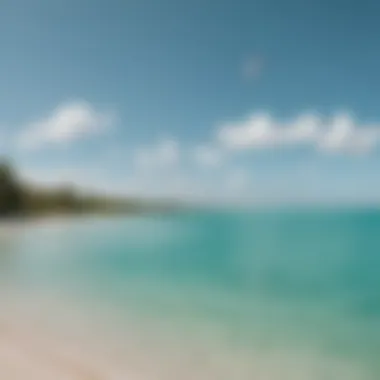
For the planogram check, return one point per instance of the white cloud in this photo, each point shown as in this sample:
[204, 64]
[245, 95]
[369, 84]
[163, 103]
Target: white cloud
[67, 123]
[339, 135]
[262, 131]
[207, 156]
[161, 168]
[343, 135]
[165, 154]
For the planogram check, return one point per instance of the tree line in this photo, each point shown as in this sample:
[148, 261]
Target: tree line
[20, 199]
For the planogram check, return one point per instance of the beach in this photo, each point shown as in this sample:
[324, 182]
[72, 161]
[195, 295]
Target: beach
[32, 349]
[194, 296]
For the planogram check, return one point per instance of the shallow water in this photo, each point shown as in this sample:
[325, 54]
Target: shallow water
[215, 295]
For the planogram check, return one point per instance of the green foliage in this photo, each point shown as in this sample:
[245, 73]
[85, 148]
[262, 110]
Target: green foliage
[18, 199]
[11, 192]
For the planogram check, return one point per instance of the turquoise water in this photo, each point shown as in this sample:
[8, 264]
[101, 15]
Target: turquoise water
[294, 293]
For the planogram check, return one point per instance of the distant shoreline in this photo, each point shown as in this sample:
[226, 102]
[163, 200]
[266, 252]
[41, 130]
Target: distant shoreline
[21, 201]
[56, 218]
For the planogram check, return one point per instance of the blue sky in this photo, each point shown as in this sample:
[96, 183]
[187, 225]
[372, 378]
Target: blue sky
[274, 100]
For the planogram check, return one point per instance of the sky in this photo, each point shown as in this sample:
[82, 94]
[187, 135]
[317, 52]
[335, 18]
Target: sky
[266, 100]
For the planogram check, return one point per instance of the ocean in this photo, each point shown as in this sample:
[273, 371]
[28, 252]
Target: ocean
[277, 294]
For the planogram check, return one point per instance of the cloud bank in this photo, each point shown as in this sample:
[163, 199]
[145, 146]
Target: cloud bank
[339, 134]
[171, 166]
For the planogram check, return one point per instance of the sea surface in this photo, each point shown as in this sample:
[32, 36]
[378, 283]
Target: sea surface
[274, 294]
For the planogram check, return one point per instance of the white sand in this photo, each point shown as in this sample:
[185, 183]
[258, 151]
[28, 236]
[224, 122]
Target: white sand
[33, 348]
[26, 353]
[46, 337]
